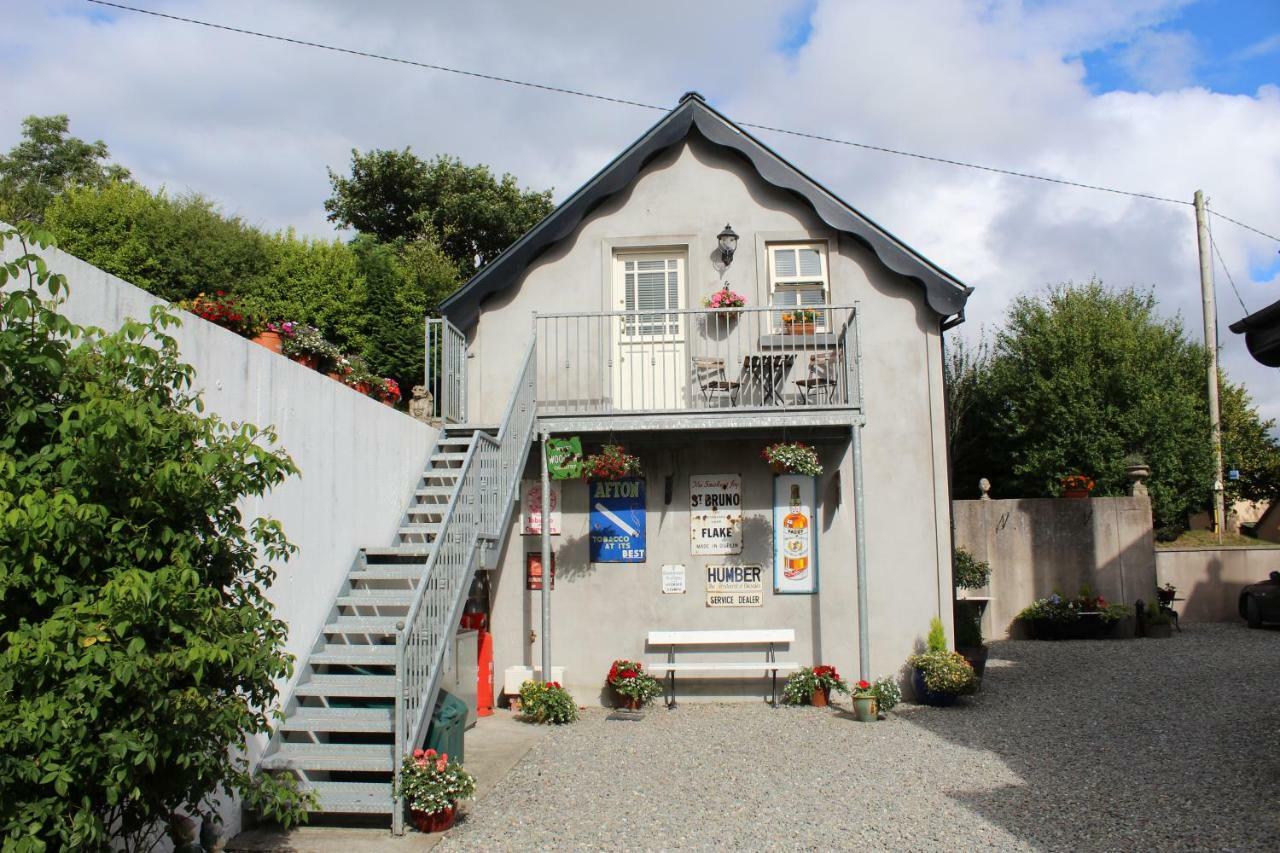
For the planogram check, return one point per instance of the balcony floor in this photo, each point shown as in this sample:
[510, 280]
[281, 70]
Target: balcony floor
[702, 419]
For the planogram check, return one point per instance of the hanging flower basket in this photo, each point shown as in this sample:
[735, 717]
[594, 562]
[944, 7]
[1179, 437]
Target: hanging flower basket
[722, 299]
[613, 462]
[792, 457]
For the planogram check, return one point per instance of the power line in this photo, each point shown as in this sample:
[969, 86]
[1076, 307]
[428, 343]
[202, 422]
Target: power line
[608, 99]
[1216, 251]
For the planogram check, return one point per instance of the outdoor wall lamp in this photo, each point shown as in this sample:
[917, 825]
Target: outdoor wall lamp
[728, 244]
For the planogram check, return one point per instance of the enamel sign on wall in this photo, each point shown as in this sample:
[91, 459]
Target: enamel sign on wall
[795, 534]
[673, 579]
[617, 520]
[531, 507]
[735, 586]
[715, 514]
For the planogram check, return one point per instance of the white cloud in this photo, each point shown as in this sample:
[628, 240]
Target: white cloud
[255, 124]
[1158, 61]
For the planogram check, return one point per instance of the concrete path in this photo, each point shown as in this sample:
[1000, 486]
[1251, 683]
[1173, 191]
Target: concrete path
[494, 746]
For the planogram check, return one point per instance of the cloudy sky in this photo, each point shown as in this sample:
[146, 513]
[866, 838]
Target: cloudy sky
[1163, 97]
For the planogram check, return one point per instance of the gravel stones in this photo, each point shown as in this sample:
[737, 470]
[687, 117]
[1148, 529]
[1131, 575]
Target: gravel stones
[1080, 745]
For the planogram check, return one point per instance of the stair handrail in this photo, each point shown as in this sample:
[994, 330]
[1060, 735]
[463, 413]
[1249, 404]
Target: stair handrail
[489, 473]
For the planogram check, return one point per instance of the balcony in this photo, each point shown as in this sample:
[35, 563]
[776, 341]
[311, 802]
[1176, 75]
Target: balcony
[694, 369]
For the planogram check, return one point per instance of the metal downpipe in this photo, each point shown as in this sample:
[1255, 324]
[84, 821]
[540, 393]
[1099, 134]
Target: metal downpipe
[860, 549]
[546, 564]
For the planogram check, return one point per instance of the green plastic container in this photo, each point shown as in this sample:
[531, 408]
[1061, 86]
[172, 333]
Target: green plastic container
[448, 724]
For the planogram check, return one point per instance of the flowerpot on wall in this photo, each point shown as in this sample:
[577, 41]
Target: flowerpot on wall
[308, 359]
[925, 696]
[1076, 494]
[270, 340]
[436, 821]
[865, 710]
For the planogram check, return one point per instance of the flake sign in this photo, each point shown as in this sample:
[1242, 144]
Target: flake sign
[531, 507]
[617, 521]
[715, 514]
[735, 586]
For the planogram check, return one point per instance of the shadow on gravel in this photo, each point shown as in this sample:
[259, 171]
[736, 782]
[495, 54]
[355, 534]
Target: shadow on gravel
[1131, 744]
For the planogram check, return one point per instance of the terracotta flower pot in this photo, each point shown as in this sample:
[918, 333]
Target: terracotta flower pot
[362, 387]
[436, 821]
[307, 360]
[389, 401]
[799, 328]
[1076, 494]
[820, 698]
[334, 376]
[270, 340]
[628, 703]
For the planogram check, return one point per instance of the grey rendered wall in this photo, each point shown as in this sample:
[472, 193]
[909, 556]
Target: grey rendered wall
[684, 198]
[1039, 546]
[359, 459]
[1210, 579]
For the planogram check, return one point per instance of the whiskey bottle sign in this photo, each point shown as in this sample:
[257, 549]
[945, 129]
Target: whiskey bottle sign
[795, 558]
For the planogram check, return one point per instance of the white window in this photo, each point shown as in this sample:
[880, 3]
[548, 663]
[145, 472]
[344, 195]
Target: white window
[651, 282]
[798, 277]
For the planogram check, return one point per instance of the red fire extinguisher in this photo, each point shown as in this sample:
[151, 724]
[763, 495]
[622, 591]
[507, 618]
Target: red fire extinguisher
[484, 684]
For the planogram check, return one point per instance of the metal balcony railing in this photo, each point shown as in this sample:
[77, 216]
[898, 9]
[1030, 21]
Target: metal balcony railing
[747, 359]
[446, 373]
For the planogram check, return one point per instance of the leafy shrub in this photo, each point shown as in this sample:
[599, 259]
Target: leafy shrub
[944, 672]
[629, 679]
[887, 694]
[970, 572]
[139, 647]
[937, 641]
[547, 702]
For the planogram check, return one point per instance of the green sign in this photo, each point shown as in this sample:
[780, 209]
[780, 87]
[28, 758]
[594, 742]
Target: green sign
[564, 458]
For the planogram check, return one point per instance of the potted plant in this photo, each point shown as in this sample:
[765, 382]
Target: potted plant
[359, 377]
[613, 462]
[939, 675]
[309, 348]
[224, 310]
[547, 702]
[971, 573]
[813, 686]
[389, 391]
[792, 457]
[722, 299]
[865, 702]
[799, 321]
[1157, 623]
[1085, 617]
[431, 786]
[1077, 486]
[887, 694]
[273, 334]
[634, 686]
[1165, 594]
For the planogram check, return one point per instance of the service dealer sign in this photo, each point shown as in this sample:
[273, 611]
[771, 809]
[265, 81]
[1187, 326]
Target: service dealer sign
[715, 514]
[735, 586]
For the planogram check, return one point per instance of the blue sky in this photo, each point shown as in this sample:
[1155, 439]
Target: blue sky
[1229, 46]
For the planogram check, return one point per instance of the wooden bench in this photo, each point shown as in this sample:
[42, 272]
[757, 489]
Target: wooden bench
[769, 638]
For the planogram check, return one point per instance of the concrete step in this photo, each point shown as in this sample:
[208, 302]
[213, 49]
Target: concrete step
[364, 720]
[331, 756]
[349, 686]
[355, 655]
[353, 797]
[379, 625]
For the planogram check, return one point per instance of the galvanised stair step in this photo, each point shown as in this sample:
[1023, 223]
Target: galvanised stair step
[352, 797]
[349, 686]
[366, 757]
[434, 492]
[355, 655]
[384, 625]
[419, 551]
[376, 598]
[388, 572]
[419, 529]
[447, 457]
[362, 720]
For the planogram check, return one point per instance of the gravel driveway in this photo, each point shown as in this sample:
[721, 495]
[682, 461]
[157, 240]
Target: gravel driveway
[1083, 745]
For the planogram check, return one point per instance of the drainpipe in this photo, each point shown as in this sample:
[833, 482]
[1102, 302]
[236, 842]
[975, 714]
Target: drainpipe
[546, 564]
[860, 546]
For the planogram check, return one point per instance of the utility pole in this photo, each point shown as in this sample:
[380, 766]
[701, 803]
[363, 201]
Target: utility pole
[1211, 344]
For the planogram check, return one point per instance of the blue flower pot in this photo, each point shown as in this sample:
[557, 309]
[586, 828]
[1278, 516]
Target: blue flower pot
[925, 696]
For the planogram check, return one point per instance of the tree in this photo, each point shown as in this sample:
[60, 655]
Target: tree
[471, 215]
[964, 366]
[1248, 446]
[48, 162]
[1082, 377]
[139, 647]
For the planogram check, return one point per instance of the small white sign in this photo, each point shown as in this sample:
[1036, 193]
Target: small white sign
[673, 579]
[531, 507]
[735, 586]
[715, 514]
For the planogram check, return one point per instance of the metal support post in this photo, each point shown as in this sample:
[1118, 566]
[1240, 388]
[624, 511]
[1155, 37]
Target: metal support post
[546, 564]
[860, 549]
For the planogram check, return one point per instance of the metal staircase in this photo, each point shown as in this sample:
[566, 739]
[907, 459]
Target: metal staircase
[366, 691]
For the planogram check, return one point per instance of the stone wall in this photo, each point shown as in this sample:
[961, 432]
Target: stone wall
[1040, 545]
[1210, 579]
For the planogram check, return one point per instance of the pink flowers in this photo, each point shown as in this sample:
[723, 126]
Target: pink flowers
[724, 298]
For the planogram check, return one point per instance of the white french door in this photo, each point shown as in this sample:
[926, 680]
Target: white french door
[649, 365]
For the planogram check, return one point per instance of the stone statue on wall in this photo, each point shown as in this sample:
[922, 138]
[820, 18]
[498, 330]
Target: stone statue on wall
[984, 486]
[421, 404]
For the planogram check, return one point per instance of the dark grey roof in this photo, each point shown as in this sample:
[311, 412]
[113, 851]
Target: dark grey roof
[943, 292]
[1261, 331]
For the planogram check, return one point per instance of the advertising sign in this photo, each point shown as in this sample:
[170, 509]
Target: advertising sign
[735, 586]
[715, 514]
[795, 535]
[564, 458]
[617, 521]
[533, 570]
[673, 580]
[531, 507]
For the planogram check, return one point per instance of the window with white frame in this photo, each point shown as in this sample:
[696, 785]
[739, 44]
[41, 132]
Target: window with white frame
[651, 281]
[798, 278]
